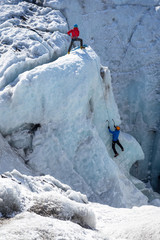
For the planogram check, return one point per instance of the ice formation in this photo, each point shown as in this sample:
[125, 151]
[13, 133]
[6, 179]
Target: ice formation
[126, 36]
[48, 209]
[72, 121]
[53, 109]
[70, 101]
[45, 196]
[30, 37]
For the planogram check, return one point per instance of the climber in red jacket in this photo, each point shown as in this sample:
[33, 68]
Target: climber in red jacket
[75, 37]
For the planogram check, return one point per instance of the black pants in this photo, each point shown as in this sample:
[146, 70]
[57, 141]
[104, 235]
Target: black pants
[73, 40]
[113, 146]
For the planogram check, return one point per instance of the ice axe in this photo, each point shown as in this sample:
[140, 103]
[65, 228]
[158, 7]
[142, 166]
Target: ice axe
[114, 122]
[108, 122]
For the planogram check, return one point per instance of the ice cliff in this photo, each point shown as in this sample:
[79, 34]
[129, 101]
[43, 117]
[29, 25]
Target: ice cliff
[53, 115]
[126, 36]
[70, 99]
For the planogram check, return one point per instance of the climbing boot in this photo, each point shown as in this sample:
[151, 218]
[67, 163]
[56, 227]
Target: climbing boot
[68, 52]
[82, 47]
[116, 155]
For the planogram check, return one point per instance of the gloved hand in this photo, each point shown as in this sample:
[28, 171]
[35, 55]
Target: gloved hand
[108, 127]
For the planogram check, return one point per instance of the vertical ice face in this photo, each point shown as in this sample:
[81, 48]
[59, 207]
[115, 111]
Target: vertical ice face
[126, 36]
[71, 99]
[10, 160]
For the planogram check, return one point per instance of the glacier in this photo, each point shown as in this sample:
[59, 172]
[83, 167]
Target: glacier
[56, 160]
[126, 36]
[70, 101]
[71, 116]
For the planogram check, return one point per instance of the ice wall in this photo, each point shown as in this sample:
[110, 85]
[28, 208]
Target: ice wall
[70, 101]
[10, 160]
[126, 36]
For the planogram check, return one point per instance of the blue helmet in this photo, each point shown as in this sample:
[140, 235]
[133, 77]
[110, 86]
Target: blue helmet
[75, 26]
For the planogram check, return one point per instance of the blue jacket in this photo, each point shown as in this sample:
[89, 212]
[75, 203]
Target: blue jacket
[115, 134]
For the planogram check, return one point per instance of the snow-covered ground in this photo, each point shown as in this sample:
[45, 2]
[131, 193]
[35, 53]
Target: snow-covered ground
[47, 209]
[53, 111]
[112, 224]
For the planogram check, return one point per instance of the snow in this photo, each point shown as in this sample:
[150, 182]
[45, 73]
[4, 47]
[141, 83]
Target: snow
[9, 198]
[31, 226]
[44, 196]
[136, 223]
[42, 209]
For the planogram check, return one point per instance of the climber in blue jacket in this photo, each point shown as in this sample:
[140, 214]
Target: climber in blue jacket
[115, 139]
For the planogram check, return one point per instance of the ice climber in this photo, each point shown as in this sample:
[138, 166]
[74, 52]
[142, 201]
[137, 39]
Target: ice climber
[75, 37]
[115, 139]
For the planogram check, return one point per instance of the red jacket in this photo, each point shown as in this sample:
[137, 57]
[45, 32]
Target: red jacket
[74, 33]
